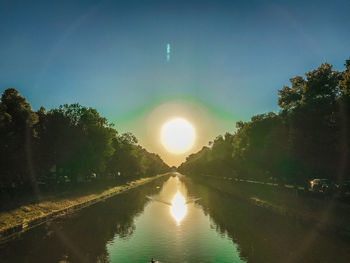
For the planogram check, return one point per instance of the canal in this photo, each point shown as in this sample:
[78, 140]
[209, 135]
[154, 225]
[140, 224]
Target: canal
[174, 220]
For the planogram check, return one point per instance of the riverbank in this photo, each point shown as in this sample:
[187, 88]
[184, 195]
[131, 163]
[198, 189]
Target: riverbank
[28, 216]
[325, 215]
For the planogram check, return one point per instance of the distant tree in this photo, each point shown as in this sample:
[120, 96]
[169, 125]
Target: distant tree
[131, 160]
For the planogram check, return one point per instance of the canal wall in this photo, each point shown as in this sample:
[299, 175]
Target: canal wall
[20, 222]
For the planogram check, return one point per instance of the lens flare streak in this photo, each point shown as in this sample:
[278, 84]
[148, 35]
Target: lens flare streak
[168, 52]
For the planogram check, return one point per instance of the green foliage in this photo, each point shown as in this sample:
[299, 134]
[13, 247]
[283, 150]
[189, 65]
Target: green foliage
[289, 98]
[64, 145]
[345, 81]
[307, 139]
[17, 137]
[321, 85]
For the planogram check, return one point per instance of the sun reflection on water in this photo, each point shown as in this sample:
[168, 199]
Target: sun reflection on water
[178, 207]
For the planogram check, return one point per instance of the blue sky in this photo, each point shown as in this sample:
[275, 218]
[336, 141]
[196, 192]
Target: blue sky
[111, 55]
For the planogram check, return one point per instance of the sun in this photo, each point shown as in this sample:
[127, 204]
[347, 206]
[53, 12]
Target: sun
[178, 136]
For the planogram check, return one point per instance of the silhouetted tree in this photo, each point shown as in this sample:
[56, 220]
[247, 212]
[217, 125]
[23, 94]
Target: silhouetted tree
[16, 140]
[308, 138]
[66, 144]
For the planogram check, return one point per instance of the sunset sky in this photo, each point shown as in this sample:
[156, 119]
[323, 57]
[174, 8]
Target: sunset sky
[227, 58]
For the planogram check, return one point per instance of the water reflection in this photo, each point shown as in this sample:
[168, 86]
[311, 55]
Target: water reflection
[216, 228]
[83, 236]
[262, 236]
[173, 228]
[178, 207]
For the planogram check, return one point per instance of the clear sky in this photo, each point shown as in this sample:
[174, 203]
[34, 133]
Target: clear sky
[227, 58]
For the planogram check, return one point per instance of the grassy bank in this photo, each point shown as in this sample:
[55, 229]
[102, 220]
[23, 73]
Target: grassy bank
[324, 214]
[30, 215]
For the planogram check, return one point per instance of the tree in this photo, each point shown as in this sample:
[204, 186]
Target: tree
[290, 98]
[321, 85]
[77, 139]
[345, 80]
[308, 138]
[16, 139]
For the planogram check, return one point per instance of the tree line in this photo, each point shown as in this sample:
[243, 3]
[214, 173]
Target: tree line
[70, 144]
[308, 138]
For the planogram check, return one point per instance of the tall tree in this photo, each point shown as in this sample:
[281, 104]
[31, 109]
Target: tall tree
[17, 120]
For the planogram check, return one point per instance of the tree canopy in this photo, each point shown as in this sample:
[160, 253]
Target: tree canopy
[307, 138]
[68, 143]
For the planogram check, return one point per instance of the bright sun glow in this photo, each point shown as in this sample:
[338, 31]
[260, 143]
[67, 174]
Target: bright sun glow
[178, 136]
[178, 207]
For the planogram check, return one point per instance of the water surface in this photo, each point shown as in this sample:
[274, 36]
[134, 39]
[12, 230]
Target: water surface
[175, 219]
[172, 230]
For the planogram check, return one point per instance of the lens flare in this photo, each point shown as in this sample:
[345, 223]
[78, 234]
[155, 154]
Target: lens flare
[168, 52]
